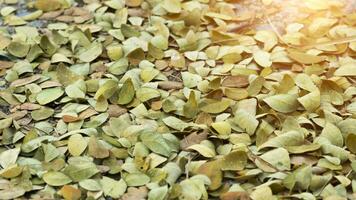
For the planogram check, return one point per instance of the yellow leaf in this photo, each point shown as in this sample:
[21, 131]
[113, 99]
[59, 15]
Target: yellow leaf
[351, 142]
[317, 4]
[172, 6]
[310, 101]
[320, 26]
[11, 171]
[268, 38]
[262, 58]
[77, 144]
[223, 128]
[348, 69]
[203, 150]
[212, 170]
[47, 5]
[304, 58]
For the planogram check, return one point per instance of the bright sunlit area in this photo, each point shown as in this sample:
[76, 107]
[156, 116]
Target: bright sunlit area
[178, 99]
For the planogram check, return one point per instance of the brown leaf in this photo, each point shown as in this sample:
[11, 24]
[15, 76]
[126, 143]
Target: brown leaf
[116, 110]
[6, 64]
[51, 15]
[70, 192]
[303, 159]
[87, 113]
[235, 81]
[29, 106]
[25, 81]
[96, 149]
[69, 118]
[136, 12]
[193, 138]
[204, 118]
[135, 193]
[156, 105]
[215, 94]
[170, 85]
[65, 18]
[235, 196]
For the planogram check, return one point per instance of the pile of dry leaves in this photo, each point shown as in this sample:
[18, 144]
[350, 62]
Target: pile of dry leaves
[177, 99]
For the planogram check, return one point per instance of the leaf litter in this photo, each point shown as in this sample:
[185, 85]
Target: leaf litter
[133, 99]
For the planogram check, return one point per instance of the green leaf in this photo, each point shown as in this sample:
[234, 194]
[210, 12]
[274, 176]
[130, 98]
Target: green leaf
[145, 93]
[5, 123]
[66, 76]
[48, 95]
[56, 178]
[264, 130]
[127, 92]
[284, 103]
[12, 193]
[18, 49]
[76, 91]
[35, 143]
[333, 134]
[113, 188]
[156, 143]
[262, 193]
[50, 151]
[175, 123]
[47, 45]
[136, 179]
[173, 171]
[190, 109]
[246, 121]
[80, 168]
[291, 138]
[310, 101]
[107, 89]
[279, 158]
[347, 126]
[90, 184]
[158, 193]
[91, 53]
[9, 157]
[305, 82]
[190, 80]
[299, 179]
[303, 148]
[333, 150]
[213, 106]
[234, 161]
[42, 113]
